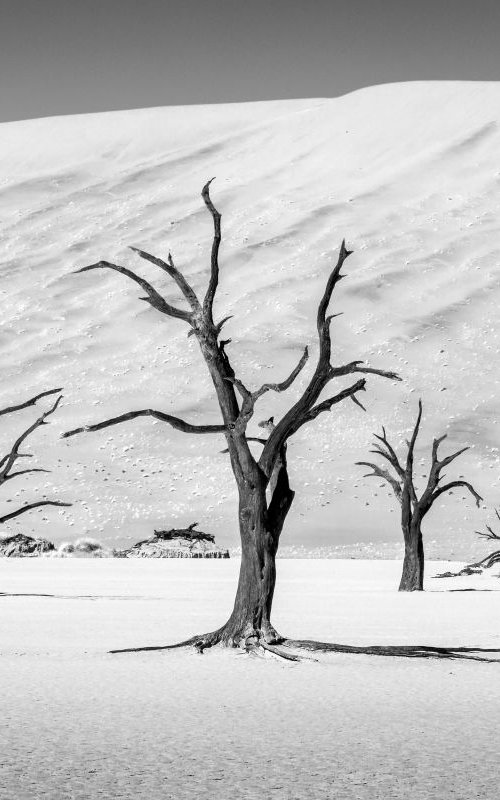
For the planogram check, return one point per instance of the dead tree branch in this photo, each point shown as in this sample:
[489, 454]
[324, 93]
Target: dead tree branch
[456, 484]
[175, 422]
[153, 297]
[27, 403]
[30, 506]
[380, 472]
[214, 257]
[8, 461]
[306, 407]
[284, 385]
[170, 268]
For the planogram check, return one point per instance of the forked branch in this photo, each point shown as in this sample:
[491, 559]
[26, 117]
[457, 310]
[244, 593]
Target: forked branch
[8, 461]
[307, 407]
[386, 450]
[170, 268]
[325, 405]
[153, 297]
[249, 398]
[380, 472]
[23, 472]
[30, 402]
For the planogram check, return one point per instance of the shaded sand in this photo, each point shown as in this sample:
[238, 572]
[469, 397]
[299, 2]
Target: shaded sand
[80, 724]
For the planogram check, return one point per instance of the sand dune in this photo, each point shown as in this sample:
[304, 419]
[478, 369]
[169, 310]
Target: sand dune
[408, 173]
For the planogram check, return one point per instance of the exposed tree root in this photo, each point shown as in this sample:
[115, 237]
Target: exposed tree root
[281, 653]
[281, 647]
[252, 644]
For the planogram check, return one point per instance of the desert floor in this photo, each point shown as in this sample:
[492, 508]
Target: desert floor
[80, 723]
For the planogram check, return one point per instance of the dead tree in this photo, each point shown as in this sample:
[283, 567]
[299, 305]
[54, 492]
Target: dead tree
[485, 563]
[265, 495]
[9, 461]
[414, 508]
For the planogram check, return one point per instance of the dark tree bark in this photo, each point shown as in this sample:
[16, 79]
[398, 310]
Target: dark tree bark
[8, 461]
[412, 578]
[414, 508]
[265, 496]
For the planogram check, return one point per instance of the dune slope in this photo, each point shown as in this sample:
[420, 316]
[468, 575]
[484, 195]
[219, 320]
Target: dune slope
[408, 173]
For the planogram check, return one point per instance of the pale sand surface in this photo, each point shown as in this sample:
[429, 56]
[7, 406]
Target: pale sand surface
[79, 723]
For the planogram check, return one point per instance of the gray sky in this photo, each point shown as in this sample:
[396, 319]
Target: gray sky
[75, 56]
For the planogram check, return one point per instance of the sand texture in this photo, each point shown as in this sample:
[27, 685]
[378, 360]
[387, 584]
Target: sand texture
[79, 724]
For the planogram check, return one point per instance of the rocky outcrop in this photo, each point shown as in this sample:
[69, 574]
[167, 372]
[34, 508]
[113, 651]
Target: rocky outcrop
[176, 543]
[21, 546]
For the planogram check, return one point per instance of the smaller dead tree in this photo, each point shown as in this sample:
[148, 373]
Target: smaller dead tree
[9, 461]
[414, 508]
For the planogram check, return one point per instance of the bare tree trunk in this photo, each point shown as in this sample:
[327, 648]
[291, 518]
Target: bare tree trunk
[260, 529]
[421, 558]
[412, 578]
[251, 615]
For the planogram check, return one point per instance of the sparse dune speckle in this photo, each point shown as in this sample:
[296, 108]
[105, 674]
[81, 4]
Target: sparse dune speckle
[413, 188]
